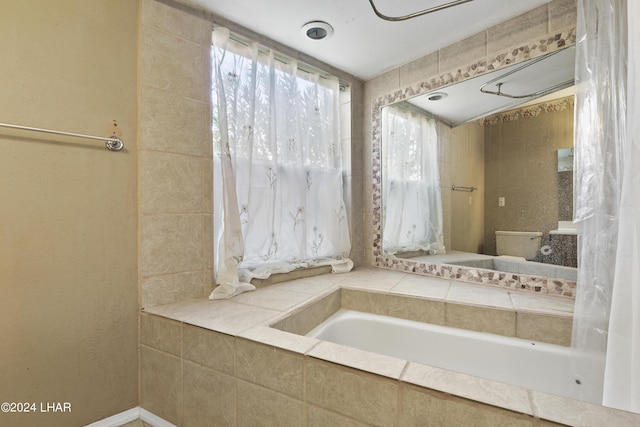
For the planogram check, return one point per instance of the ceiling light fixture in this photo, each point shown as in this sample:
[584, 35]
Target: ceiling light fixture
[437, 96]
[317, 30]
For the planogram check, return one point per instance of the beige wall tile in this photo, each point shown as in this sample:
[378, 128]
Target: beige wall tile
[273, 297]
[424, 286]
[229, 317]
[211, 349]
[357, 230]
[170, 183]
[318, 417]
[258, 406]
[424, 407]
[161, 334]
[311, 316]
[362, 360]
[517, 30]
[171, 244]
[481, 319]
[207, 186]
[464, 52]
[207, 250]
[168, 288]
[173, 64]
[173, 123]
[471, 387]
[209, 397]
[276, 369]
[280, 339]
[369, 302]
[545, 328]
[160, 384]
[418, 70]
[418, 309]
[382, 84]
[177, 21]
[356, 394]
[562, 14]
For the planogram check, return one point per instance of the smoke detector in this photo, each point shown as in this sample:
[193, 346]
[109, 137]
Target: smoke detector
[317, 30]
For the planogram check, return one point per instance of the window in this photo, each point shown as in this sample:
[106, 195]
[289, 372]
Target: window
[277, 163]
[412, 215]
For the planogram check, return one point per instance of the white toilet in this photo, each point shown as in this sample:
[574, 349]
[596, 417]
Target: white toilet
[523, 244]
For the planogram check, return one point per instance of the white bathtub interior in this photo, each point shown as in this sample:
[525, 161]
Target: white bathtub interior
[525, 363]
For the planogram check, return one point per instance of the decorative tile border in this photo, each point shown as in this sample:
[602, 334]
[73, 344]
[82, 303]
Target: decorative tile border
[530, 111]
[523, 282]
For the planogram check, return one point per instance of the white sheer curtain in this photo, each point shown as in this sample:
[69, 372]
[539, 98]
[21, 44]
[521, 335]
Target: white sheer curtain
[622, 368]
[276, 136]
[412, 206]
[606, 338]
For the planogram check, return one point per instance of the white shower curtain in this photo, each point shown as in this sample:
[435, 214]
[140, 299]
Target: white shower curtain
[276, 134]
[411, 199]
[606, 338]
[622, 368]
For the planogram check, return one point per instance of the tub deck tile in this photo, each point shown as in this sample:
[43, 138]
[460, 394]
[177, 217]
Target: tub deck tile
[390, 367]
[475, 388]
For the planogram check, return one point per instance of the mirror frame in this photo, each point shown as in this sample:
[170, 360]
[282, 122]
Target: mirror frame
[538, 284]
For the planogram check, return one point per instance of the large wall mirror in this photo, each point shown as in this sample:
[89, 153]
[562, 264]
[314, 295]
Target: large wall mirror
[477, 176]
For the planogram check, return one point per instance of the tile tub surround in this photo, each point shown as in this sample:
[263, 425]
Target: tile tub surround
[220, 361]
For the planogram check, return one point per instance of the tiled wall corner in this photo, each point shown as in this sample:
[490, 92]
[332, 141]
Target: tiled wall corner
[160, 384]
[175, 165]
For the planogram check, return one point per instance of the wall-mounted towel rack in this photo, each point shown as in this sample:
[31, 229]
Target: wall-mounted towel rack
[113, 143]
[462, 188]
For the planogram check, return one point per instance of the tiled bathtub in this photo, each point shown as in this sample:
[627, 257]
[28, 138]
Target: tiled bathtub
[221, 363]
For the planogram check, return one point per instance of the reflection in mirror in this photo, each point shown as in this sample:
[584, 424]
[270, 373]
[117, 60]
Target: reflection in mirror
[484, 180]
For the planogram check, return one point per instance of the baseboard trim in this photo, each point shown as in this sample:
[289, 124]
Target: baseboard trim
[118, 419]
[153, 419]
[130, 415]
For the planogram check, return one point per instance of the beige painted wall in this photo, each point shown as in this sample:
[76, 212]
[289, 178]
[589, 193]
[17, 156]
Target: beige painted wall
[522, 166]
[68, 223]
[466, 168]
[541, 23]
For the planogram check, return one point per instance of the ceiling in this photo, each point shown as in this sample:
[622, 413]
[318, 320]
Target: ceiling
[363, 44]
[462, 102]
